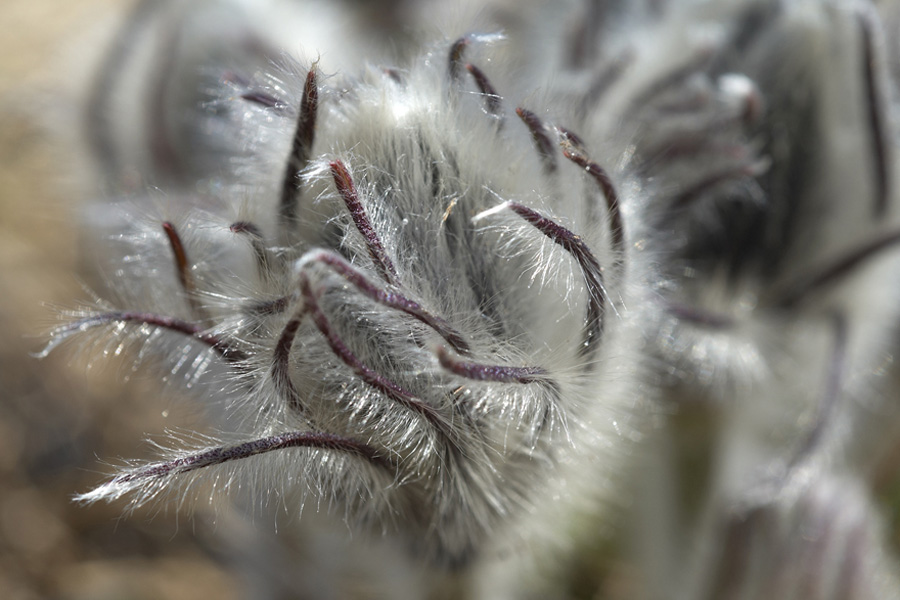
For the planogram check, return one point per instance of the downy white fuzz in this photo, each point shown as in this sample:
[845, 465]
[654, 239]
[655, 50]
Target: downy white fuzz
[455, 298]
[427, 320]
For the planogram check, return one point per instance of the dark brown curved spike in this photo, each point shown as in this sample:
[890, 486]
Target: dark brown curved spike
[834, 272]
[344, 183]
[617, 228]
[170, 323]
[492, 100]
[301, 149]
[496, 373]
[257, 242]
[370, 377]
[392, 299]
[590, 269]
[542, 141]
[182, 267]
[224, 454]
[455, 58]
[571, 140]
[280, 371]
[875, 110]
[263, 99]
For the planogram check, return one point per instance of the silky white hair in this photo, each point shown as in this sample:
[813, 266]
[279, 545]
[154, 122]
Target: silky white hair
[480, 301]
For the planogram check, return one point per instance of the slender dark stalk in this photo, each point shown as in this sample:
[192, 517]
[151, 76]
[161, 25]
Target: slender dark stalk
[258, 243]
[263, 99]
[391, 299]
[170, 323]
[492, 100]
[455, 58]
[590, 269]
[301, 150]
[542, 141]
[183, 268]
[606, 186]
[497, 373]
[280, 371]
[224, 454]
[370, 377]
[347, 190]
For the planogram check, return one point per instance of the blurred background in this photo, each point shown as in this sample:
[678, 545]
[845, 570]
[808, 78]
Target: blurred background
[56, 415]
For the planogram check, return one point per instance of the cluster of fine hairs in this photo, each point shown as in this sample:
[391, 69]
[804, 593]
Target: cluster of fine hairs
[628, 262]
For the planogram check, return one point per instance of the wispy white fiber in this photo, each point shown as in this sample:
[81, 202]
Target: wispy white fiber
[578, 284]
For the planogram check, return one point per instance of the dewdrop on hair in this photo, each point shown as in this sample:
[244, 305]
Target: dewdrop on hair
[460, 299]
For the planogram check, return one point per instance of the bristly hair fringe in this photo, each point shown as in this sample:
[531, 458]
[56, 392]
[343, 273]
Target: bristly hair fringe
[492, 301]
